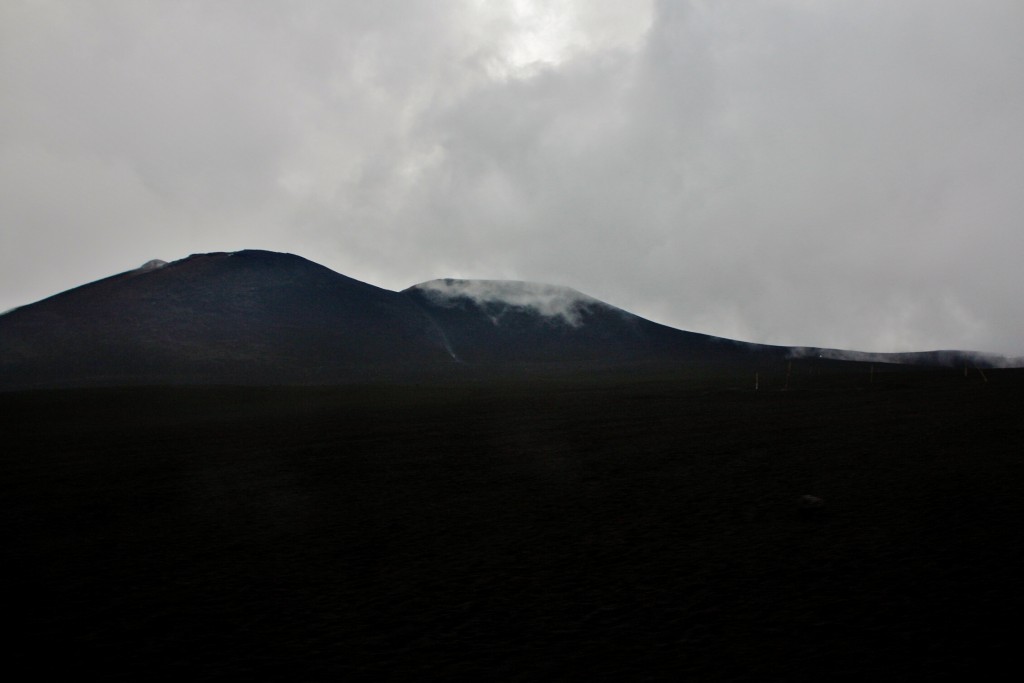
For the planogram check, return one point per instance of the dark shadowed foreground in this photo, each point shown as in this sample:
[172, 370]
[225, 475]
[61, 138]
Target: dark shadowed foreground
[639, 530]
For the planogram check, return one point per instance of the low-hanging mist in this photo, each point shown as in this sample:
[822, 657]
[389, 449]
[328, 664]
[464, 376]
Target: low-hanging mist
[498, 296]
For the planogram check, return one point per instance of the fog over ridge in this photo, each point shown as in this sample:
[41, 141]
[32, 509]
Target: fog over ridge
[550, 301]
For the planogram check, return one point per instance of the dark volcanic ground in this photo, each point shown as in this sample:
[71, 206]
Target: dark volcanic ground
[612, 529]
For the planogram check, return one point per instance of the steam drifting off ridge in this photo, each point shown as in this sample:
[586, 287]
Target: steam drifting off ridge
[550, 301]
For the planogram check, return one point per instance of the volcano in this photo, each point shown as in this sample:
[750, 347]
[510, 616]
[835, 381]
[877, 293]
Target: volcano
[265, 318]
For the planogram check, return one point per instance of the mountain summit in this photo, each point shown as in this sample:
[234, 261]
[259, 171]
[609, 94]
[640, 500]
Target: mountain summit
[243, 317]
[260, 317]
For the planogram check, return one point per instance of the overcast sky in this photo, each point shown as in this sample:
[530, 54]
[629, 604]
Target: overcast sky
[831, 173]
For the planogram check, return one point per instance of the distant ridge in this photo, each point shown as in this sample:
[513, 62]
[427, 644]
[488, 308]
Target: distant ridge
[260, 317]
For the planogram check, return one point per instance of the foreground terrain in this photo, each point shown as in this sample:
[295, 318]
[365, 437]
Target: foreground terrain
[617, 528]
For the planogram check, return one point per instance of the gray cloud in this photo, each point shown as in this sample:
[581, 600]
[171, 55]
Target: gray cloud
[837, 174]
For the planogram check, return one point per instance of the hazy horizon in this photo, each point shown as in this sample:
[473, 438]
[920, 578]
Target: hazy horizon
[841, 175]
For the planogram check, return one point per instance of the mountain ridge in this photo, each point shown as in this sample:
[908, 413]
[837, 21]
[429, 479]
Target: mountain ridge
[261, 317]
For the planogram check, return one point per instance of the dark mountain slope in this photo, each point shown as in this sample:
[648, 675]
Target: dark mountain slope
[259, 317]
[245, 317]
[494, 322]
